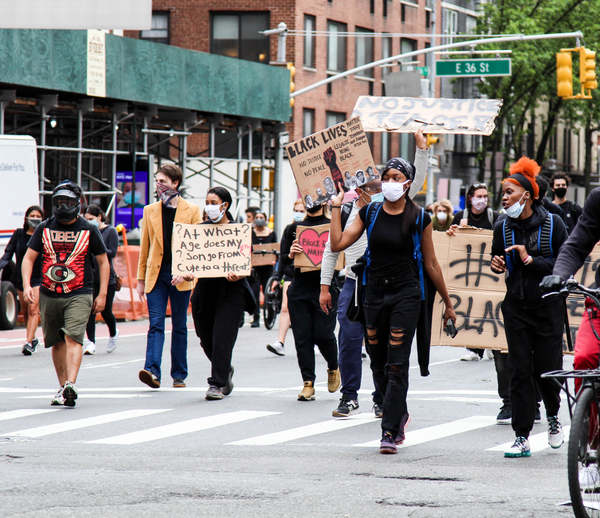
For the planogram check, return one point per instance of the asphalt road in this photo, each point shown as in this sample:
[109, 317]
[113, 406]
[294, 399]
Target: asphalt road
[127, 450]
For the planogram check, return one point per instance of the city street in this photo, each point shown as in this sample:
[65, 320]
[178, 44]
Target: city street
[127, 450]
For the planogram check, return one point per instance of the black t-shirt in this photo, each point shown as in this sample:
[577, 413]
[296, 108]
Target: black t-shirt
[476, 220]
[391, 248]
[17, 246]
[67, 252]
[262, 240]
[572, 213]
[168, 217]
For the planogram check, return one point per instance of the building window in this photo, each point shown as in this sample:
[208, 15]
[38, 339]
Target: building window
[160, 28]
[402, 13]
[308, 121]
[428, 19]
[336, 47]
[364, 50]
[450, 24]
[408, 45]
[386, 144]
[237, 35]
[309, 41]
[333, 118]
[386, 52]
[385, 6]
[372, 6]
[470, 24]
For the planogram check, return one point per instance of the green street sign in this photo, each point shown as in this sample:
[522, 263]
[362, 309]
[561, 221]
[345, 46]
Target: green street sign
[424, 71]
[473, 67]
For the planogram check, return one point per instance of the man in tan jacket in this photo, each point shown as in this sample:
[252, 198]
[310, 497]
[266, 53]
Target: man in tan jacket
[155, 281]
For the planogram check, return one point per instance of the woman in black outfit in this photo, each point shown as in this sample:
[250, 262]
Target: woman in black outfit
[17, 246]
[218, 305]
[396, 229]
[310, 325]
[261, 234]
[95, 215]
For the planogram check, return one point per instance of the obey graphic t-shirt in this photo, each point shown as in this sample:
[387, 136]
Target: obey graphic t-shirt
[66, 253]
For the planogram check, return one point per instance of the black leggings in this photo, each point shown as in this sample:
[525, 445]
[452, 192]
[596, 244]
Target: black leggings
[106, 313]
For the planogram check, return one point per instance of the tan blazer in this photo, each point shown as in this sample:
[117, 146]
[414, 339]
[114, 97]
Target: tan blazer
[151, 243]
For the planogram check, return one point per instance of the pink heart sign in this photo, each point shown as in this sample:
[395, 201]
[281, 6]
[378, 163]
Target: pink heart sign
[313, 241]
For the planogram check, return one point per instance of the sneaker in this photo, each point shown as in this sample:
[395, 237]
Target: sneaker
[505, 415]
[255, 323]
[69, 393]
[149, 379]
[112, 343]
[89, 347]
[276, 348]
[308, 392]
[400, 436]
[58, 399]
[520, 448]
[345, 408]
[488, 354]
[538, 417]
[29, 347]
[378, 410]
[555, 433]
[470, 356]
[334, 380]
[214, 393]
[178, 383]
[387, 444]
[589, 477]
[228, 388]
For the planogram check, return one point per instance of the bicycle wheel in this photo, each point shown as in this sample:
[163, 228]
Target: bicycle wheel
[582, 459]
[269, 315]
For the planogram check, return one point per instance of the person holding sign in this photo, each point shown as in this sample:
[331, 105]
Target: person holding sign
[218, 304]
[156, 283]
[399, 247]
[310, 325]
[525, 245]
[261, 234]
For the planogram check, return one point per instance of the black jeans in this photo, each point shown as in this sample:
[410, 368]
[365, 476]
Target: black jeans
[106, 313]
[503, 374]
[258, 280]
[534, 336]
[217, 306]
[311, 327]
[391, 314]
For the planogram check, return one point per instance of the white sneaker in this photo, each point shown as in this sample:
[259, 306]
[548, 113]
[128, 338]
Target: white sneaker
[276, 348]
[470, 356]
[58, 399]
[488, 354]
[589, 477]
[112, 343]
[555, 433]
[89, 347]
[520, 448]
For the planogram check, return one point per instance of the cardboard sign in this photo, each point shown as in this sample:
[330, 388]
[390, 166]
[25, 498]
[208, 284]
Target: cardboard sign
[313, 241]
[408, 114]
[337, 156]
[265, 255]
[211, 250]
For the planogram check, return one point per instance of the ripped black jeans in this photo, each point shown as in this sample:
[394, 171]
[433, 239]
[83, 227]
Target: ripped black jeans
[391, 313]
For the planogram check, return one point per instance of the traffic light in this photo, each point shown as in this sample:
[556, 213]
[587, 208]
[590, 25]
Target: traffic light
[292, 69]
[564, 74]
[432, 139]
[587, 68]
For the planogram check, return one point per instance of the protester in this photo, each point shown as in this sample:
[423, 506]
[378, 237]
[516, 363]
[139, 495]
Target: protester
[571, 211]
[524, 245]
[95, 216]
[261, 234]
[550, 206]
[155, 282]
[17, 246]
[442, 215]
[285, 273]
[250, 213]
[66, 244]
[216, 303]
[400, 247]
[310, 325]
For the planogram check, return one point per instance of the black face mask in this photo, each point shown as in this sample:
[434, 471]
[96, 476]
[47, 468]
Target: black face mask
[314, 210]
[560, 192]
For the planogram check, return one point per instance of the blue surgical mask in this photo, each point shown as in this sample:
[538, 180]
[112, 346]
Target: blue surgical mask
[298, 216]
[377, 197]
[94, 222]
[515, 210]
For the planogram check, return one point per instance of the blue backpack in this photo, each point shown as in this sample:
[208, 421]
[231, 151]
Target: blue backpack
[372, 212]
[544, 241]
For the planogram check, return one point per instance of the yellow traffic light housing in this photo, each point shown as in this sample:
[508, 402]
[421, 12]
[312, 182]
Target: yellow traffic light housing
[292, 69]
[587, 68]
[564, 74]
[432, 139]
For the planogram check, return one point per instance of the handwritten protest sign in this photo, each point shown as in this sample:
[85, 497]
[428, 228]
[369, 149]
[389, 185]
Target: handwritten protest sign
[408, 114]
[265, 255]
[211, 250]
[313, 241]
[339, 155]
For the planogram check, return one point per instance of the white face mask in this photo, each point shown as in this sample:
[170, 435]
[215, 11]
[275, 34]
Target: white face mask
[393, 191]
[298, 216]
[515, 210]
[442, 217]
[214, 212]
[479, 204]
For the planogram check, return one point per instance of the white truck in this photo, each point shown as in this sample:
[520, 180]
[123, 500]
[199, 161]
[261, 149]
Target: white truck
[18, 190]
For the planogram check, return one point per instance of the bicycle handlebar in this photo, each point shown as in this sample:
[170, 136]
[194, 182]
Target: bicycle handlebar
[571, 286]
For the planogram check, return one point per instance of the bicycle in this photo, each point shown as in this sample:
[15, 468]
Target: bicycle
[273, 300]
[583, 455]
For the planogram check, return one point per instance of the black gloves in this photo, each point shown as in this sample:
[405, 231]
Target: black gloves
[551, 283]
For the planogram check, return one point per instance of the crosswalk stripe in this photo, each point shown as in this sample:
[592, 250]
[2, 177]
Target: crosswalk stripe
[182, 427]
[537, 442]
[330, 425]
[24, 412]
[440, 431]
[41, 431]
